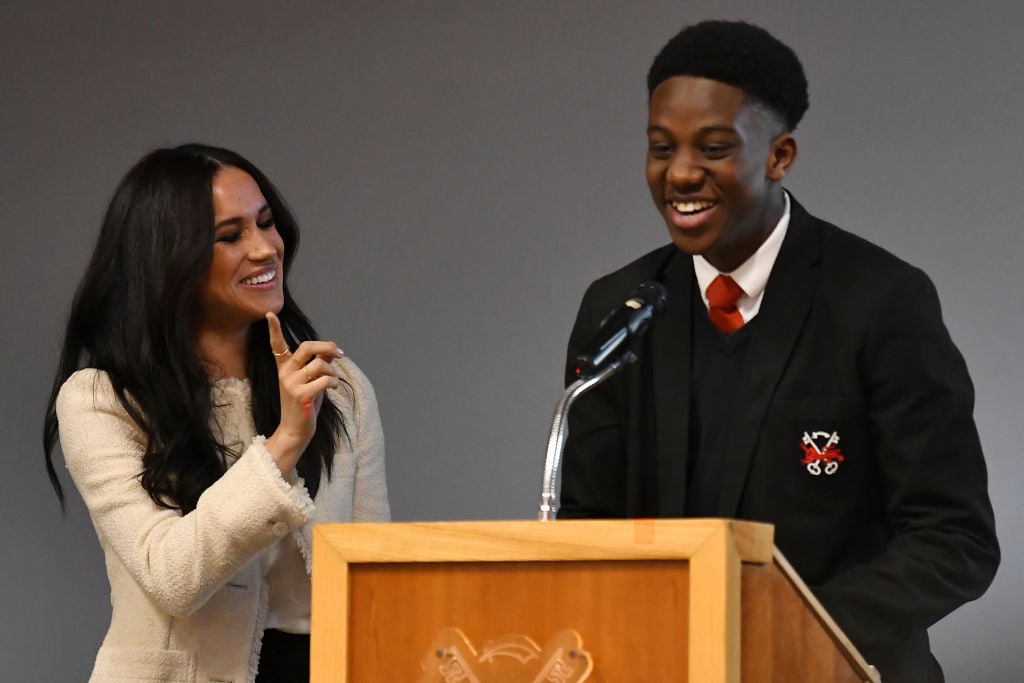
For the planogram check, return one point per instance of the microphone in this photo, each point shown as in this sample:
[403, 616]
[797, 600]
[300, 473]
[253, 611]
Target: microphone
[610, 348]
[619, 331]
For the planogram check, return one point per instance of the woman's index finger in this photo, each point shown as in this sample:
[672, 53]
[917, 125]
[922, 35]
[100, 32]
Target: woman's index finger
[278, 346]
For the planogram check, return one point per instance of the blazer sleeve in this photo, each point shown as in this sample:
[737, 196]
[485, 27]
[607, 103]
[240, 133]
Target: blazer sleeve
[594, 459]
[179, 560]
[943, 549]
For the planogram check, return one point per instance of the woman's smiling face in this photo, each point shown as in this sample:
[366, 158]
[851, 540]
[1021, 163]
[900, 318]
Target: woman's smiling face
[246, 275]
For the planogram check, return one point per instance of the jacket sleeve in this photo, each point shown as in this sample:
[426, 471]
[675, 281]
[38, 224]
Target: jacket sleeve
[179, 560]
[942, 550]
[594, 459]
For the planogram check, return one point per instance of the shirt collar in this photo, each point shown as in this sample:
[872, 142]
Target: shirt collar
[752, 274]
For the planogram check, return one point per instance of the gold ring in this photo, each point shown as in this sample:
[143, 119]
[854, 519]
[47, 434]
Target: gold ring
[283, 353]
[305, 371]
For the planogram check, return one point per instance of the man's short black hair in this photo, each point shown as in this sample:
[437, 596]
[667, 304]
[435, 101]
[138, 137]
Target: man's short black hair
[741, 55]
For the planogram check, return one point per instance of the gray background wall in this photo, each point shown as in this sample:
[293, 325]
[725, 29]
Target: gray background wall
[462, 171]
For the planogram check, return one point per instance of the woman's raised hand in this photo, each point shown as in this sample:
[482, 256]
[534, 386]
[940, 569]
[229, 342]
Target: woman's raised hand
[303, 375]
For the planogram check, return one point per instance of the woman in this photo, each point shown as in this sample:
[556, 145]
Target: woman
[207, 429]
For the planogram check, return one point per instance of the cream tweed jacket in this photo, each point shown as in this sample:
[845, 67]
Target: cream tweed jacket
[189, 593]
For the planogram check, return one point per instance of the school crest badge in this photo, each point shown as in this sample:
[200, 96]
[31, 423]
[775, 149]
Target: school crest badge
[821, 452]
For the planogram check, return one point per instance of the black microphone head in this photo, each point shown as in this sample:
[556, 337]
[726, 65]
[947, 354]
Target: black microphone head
[653, 293]
[621, 328]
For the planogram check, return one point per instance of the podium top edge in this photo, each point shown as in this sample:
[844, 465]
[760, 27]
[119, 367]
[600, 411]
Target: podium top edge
[512, 541]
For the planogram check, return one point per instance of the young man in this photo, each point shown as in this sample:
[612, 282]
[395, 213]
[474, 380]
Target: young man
[799, 375]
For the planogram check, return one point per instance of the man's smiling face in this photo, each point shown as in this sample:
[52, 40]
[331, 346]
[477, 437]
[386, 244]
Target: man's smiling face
[714, 160]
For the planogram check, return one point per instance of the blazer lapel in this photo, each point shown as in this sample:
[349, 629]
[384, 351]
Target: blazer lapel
[670, 347]
[791, 289]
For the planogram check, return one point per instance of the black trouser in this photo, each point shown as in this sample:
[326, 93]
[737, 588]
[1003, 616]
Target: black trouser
[284, 657]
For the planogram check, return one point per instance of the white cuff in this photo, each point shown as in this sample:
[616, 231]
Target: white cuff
[296, 492]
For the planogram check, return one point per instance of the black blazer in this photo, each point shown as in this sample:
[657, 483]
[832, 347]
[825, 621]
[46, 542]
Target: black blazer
[849, 341]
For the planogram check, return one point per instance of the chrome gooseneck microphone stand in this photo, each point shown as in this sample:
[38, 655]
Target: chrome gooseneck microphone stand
[559, 430]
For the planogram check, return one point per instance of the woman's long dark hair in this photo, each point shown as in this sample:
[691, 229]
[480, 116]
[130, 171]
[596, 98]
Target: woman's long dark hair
[134, 317]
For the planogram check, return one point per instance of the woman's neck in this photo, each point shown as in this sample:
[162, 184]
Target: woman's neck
[223, 354]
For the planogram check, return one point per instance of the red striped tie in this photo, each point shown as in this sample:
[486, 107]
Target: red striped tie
[723, 293]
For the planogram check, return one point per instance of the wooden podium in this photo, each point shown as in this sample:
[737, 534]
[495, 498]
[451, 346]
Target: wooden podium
[646, 601]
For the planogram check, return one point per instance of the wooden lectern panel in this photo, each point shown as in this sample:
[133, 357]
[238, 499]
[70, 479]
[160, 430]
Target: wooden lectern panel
[784, 641]
[633, 616]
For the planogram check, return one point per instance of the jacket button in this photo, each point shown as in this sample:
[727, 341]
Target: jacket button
[280, 529]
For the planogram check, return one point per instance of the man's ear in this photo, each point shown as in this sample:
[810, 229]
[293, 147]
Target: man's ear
[781, 157]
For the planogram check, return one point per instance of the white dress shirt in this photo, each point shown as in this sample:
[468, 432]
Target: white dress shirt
[752, 274]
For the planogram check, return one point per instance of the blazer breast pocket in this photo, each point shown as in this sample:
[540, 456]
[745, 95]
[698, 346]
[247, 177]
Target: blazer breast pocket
[821, 448]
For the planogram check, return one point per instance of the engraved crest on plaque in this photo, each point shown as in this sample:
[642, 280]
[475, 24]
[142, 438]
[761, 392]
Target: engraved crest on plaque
[512, 658]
